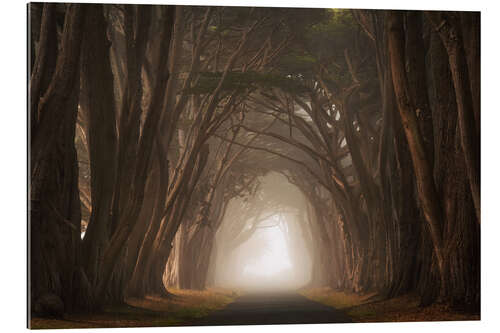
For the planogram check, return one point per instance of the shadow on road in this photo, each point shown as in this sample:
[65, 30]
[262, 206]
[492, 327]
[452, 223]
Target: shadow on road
[265, 308]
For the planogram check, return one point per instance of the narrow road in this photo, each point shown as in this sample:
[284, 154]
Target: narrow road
[274, 308]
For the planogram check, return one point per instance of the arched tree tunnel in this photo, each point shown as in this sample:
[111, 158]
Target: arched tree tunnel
[253, 148]
[268, 249]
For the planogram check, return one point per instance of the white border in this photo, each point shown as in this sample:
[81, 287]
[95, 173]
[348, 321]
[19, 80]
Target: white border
[13, 164]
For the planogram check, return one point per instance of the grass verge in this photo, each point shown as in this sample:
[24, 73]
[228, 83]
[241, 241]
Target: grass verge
[365, 308]
[187, 307]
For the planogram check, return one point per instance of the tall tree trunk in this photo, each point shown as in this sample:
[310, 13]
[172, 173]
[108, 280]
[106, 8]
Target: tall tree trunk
[453, 187]
[417, 79]
[144, 155]
[54, 202]
[98, 101]
[448, 27]
[426, 188]
[163, 244]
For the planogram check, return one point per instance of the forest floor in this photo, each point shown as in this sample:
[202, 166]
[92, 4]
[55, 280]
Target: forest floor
[191, 307]
[366, 308]
[188, 306]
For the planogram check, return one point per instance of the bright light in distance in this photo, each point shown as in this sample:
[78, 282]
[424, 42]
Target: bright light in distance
[273, 259]
[272, 255]
[264, 261]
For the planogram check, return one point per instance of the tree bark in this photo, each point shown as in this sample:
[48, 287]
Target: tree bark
[98, 101]
[149, 133]
[447, 25]
[54, 202]
[426, 189]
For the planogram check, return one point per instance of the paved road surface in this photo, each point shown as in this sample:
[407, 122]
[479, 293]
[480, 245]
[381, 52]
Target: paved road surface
[274, 308]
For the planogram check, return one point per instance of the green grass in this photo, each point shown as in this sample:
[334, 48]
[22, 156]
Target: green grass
[336, 299]
[152, 311]
[364, 308]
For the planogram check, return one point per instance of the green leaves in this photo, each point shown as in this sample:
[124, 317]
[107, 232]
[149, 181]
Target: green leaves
[241, 81]
[295, 64]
